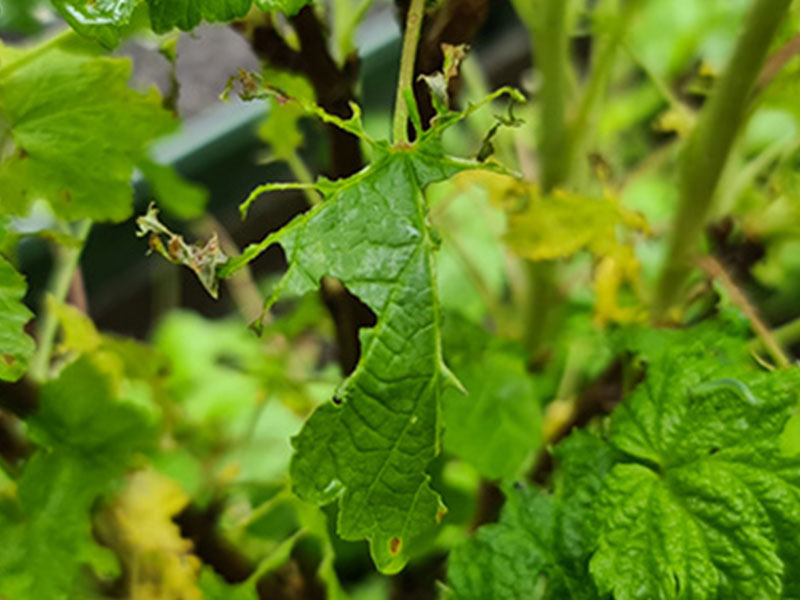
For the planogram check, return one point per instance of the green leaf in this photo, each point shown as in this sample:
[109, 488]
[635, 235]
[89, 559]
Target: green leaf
[100, 19]
[87, 438]
[541, 546]
[371, 447]
[501, 409]
[287, 7]
[71, 132]
[710, 509]
[103, 19]
[17, 346]
[187, 14]
[506, 561]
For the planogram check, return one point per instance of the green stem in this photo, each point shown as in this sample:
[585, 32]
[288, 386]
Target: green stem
[551, 44]
[542, 298]
[602, 65]
[302, 173]
[611, 25]
[275, 558]
[777, 151]
[263, 509]
[709, 146]
[407, 60]
[67, 260]
[657, 80]
[786, 335]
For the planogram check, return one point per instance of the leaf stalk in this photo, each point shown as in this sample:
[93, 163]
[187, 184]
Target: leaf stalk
[67, 260]
[407, 61]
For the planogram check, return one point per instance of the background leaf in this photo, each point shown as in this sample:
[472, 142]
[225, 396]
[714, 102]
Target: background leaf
[99, 19]
[74, 133]
[17, 346]
[87, 437]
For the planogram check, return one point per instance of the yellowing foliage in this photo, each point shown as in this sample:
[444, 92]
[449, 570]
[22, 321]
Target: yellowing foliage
[557, 225]
[138, 525]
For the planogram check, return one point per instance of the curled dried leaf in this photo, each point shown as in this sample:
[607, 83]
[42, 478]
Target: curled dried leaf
[203, 259]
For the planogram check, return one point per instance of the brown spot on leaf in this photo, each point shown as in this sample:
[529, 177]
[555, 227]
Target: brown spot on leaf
[22, 153]
[67, 195]
[394, 545]
[174, 248]
[9, 360]
[440, 514]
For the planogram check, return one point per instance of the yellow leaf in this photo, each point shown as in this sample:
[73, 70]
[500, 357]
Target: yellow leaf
[557, 225]
[78, 333]
[611, 273]
[138, 525]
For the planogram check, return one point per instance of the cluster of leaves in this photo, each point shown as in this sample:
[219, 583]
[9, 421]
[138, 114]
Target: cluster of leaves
[688, 488]
[686, 491]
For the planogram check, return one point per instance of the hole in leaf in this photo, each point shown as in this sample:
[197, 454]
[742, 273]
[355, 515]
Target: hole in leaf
[349, 316]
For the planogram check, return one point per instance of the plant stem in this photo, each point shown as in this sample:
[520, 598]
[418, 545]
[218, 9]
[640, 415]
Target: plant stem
[709, 146]
[407, 60]
[768, 340]
[302, 173]
[602, 65]
[276, 558]
[786, 335]
[789, 333]
[551, 46]
[542, 298]
[67, 260]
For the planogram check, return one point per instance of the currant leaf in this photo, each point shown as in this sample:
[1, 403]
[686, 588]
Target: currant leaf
[501, 407]
[187, 14]
[541, 546]
[708, 508]
[99, 19]
[86, 438]
[370, 448]
[74, 132]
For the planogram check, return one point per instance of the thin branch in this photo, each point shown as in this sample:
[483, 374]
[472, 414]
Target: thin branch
[407, 60]
[77, 292]
[67, 260]
[777, 61]
[716, 271]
